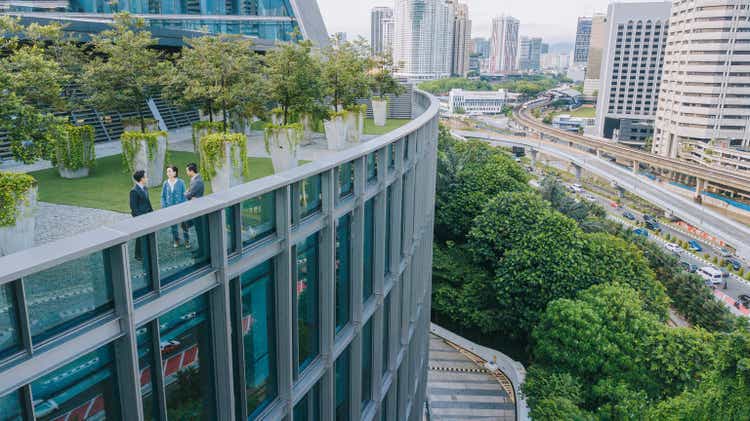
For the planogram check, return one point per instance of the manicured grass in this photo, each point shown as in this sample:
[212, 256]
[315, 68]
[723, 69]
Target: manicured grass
[390, 125]
[584, 112]
[109, 185]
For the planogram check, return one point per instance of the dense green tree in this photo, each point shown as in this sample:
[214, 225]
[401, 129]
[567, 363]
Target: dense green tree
[345, 77]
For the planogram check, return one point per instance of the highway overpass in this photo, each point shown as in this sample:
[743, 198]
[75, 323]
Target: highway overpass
[733, 233]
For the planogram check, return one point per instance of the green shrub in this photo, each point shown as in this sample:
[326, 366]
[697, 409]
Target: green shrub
[75, 149]
[213, 153]
[13, 187]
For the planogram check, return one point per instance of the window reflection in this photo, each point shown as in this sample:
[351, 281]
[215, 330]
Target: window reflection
[144, 336]
[66, 295]
[388, 229]
[308, 408]
[372, 168]
[341, 370]
[11, 408]
[185, 348]
[366, 363]
[10, 339]
[192, 255]
[343, 272]
[306, 289]
[386, 331]
[85, 389]
[346, 179]
[139, 260]
[258, 218]
[369, 252]
[310, 197]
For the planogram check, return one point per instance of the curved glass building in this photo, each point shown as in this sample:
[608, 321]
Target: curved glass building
[266, 20]
[303, 296]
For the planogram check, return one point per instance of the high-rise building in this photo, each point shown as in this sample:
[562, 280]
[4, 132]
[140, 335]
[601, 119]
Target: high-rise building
[545, 48]
[596, 48]
[461, 40]
[529, 54]
[423, 38]
[504, 44]
[705, 92]
[381, 28]
[631, 70]
[583, 34]
[268, 21]
[481, 47]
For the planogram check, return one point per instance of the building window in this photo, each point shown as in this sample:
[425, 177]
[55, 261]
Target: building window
[341, 370]
[306, 289]
[310, 198]
[185, 347]
[308, 408]
[10, 339]
[372, 168]
[144, 338]
[140, 269]
[85, 388]
[346, 179]
[64, 296]
[177, 262]
[258, 217]
[386, 331]
[258, 337]
[369, 251]
[366, 364]
[343, 270]
[389, 193]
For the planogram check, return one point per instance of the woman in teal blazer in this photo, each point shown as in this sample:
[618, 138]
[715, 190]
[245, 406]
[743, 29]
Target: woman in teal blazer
[173, 193]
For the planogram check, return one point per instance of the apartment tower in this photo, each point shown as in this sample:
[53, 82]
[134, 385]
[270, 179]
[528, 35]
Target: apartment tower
[461, 40]
[504, 44]
[423, 38]
[381, 28]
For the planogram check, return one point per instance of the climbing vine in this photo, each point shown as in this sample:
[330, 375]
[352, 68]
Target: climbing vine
[13, 188]
[75, 148]
[294, 136]
[203, 128]
[213, 153]
[131, 145]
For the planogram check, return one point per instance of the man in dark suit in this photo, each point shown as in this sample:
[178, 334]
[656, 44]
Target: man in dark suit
[196, 190]
[140, 204]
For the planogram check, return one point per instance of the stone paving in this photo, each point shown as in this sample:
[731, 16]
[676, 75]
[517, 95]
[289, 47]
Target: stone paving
[54, 222]
[460, 390]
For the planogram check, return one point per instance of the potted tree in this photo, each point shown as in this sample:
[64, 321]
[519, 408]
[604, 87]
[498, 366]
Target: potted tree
[383, 84]
[123, 75]
[17, 208]
[218, 75]
[345, 79]
[223, 159]
[293, 76]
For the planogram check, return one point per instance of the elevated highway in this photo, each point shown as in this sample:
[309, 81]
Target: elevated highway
[701, 173]
[733, 233]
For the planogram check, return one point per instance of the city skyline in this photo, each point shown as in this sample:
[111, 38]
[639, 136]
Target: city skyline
[551, 20]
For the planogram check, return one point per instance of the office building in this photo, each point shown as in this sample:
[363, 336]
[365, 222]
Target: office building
[556, 62]
[461, 40]
[481, 46]
[303, 296]
[583, 35]
[572, 124]
[381, 29]
[631, 70]
[476, 102]
[268, 21]
[545, 48]
[423, 38]
[704, 99]
[529, 54]
[596, 48]
[504, 44]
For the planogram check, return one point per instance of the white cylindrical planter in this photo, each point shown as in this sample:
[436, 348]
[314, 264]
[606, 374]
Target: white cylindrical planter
[335, 133]
[380, 112]
[229, 175]
[283, 148]
[154, 166]
[21, 235]
[307, 126]
[354, 126]
[72, 174]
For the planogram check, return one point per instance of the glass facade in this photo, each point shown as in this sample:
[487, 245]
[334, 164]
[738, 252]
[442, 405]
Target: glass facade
[306, 289]
[83, 389]
[388, 228]
[369, 251]
[68, 294]
[346, 179]
[258, 337]
[227, 339]
[341, 369]
[343, 271]
[372, 168]
[258, 216]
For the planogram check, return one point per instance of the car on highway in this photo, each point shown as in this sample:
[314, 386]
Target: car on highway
[628, 215]
[689, 267]
[590, 198]
[734, 262]
[576, 188]
[640, 231]
[725, 252]
[695, 246]
[653, 225]
[674, 248]
[744, 299]
[711, 275]
[647, 217]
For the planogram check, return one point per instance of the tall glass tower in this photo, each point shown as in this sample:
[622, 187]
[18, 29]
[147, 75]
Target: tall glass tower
[266, 20]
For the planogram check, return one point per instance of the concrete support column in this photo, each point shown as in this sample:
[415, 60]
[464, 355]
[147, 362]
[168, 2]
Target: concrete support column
[598, 153]
[636, 167]
[534, 153]
[700, 185]
[578, 171]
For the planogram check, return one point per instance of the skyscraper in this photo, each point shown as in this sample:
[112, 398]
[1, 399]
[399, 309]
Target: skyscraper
[631, 70]
[504, 44]
[481, 47]
[583, 34]
[704, 94]
[596, 48]
[380, 19]
[461, 40]
[529, 54]
[423, 38]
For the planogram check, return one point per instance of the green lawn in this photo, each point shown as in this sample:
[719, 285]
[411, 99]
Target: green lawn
[584, 112]
[390, 125]
[109, 184]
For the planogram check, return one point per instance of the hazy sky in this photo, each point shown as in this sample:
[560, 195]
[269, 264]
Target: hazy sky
[553, 20]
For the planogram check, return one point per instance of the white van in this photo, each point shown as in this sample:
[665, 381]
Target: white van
[710, 274]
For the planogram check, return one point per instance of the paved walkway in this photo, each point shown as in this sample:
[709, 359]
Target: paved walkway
[460, 390]
[54, 222]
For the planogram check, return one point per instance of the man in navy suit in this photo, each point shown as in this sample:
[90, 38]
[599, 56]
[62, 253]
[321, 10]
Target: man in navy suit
[140, 204]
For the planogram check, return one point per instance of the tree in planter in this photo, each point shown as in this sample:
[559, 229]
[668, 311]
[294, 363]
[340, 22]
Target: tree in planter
[345, 79]
[123, 74]
[294, 86]
[17, 204]
[218, 74]
[223, 159]
[382, 83]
